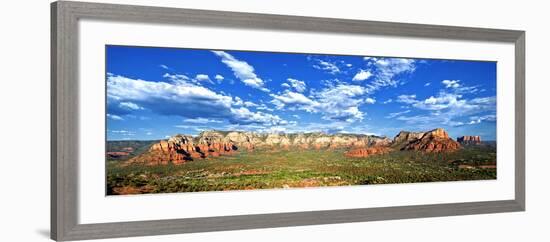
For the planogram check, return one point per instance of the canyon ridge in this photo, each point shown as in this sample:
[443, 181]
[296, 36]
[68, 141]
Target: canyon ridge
[180, 148]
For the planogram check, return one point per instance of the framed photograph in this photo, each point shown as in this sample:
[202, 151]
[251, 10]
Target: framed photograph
[169, 120]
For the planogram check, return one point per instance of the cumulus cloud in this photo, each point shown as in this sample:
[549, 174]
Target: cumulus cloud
[408, 99]
[181, 98]
[479, 119]
[446, 107]
[129, 106]
[242, 70]
[293, 101]
[362, 75]
[326, 66]
[340, 102]
[387, 70]
[250, 104]
[179, 78]
[203, 78]
[239, 102]
[451, 83]
[370, 100]
[299, 86]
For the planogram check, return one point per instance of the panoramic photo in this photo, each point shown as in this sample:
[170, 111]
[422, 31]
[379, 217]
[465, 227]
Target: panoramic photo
[191, 120]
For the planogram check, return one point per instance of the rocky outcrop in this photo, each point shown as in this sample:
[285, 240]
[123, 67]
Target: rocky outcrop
[182, 148]
[436, 141]
[469, 140]
[405, 137]
[364, 152]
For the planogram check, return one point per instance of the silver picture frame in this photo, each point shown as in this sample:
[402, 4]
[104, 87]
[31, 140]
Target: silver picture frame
[64, 118]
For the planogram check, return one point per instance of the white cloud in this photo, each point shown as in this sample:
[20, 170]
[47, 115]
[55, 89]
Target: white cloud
[124, 132]
[327, 66]
[299, 86]
[387, 70]
[388, 101]
[340, 102]
[242, 70]
[427, 84]
[244, 116]
[408, 99]
[181, 98]
[370, 100]
[201, 120]
[293, 100]
[129, 105]
[479, 119]
[285, 85]
[177, 78]
[264, 107]
[393, 115]
[446, 107]
[114, 117]
[203, 78]
[451, 83]
[238, 101]
[219, 78]
[250, 104]
[349, 65]
[362, 75]
[164, 67]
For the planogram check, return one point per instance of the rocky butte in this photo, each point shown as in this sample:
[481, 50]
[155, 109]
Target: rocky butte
[436, 140]
[469, 140]
[179, 149]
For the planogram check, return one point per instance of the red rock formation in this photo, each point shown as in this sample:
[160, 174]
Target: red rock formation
[180, 149]
[436, 140]
[364, 152]
[469, 139]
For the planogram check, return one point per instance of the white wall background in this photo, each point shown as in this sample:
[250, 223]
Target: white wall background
[24, 108]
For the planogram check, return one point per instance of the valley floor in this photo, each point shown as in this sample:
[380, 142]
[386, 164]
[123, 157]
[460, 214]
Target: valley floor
[264, 169]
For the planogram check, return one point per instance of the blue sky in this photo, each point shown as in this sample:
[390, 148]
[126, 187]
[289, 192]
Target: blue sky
[153, 93]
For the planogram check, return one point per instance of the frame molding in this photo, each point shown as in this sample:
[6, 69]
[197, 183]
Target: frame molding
[64, 118]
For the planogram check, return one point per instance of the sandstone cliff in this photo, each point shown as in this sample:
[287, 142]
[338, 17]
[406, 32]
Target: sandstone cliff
[364, 152]
[405, 137]
[436, 140]
[182, 148]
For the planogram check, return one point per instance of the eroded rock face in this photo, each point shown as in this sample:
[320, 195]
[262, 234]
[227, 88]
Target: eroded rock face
[436, 140]
[179, 149]
[469, 139]
[364, 152]
[405, 137]
[183, 148]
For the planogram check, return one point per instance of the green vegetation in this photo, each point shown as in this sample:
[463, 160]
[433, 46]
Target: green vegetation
[137, 146]
[301, 168]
